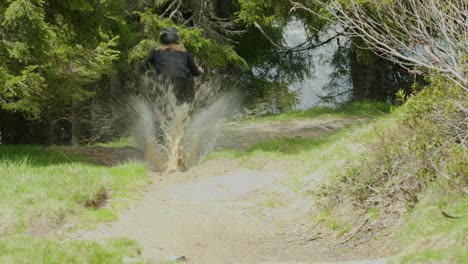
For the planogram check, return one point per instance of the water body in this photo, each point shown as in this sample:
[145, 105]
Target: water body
[312, 88]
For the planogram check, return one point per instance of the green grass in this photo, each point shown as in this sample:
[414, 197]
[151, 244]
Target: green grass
[276, 200]
[225, 153]
[446, 255]
[42, 189]
[428, 236]
[36, 156]
[353, 109]
[34, 250]
[322, 155]
[117, 143]
[293, 146]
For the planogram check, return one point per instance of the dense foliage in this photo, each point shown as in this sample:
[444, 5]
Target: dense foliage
[64, 64]
[62, 60]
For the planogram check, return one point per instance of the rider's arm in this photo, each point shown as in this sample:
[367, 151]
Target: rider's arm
[193, 67]
[148, 63]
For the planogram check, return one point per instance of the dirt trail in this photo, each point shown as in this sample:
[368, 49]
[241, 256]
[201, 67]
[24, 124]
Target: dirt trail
[209, 215]
[217, 213]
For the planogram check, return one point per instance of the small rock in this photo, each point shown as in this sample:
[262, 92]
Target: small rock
[69, 226]
[176, 258]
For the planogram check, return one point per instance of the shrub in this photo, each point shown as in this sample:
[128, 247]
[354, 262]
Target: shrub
[425, 143]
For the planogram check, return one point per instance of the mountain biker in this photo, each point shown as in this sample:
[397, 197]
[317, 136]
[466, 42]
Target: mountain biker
[172, 62]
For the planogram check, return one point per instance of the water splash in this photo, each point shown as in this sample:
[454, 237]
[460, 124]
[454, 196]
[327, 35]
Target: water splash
[173, 135]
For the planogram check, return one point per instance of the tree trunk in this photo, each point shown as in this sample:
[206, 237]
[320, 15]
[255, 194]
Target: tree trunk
[224, 8]
[76, 124]
[367, 76]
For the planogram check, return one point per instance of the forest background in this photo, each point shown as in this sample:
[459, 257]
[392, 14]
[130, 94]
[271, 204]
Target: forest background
[65, 64]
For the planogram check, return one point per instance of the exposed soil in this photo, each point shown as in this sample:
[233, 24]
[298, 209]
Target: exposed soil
[218, 212]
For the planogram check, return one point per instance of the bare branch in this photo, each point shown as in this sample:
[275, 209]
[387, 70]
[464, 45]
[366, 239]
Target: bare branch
[426, 34]
[266, 36]
[169, 7]
[176, 9]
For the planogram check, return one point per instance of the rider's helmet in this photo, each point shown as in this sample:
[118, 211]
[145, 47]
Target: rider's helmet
[169, 36]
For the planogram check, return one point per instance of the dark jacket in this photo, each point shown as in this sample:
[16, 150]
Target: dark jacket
[173, 63]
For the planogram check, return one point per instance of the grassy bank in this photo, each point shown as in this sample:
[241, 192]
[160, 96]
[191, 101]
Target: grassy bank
[366, 109]
[313, 151]
[32, 250]
[46, 193]
[436, 229]
[397, 180]
[411, 180]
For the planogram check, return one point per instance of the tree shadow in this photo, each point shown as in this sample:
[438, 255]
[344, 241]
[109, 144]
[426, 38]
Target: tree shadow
[39, 156]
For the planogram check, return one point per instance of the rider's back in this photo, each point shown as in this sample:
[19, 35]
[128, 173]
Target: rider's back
[174, 63]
